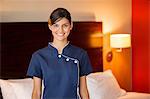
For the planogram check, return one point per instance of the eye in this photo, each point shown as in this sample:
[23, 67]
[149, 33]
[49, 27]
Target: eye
[56, 25]
[66, 25]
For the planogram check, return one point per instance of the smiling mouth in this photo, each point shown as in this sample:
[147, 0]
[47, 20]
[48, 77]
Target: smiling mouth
[60, 34]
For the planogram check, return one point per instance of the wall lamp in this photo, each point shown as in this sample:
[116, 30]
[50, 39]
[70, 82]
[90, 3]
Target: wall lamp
[118, 41]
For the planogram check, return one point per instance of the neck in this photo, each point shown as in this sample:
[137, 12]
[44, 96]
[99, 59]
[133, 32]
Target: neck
[59, 45]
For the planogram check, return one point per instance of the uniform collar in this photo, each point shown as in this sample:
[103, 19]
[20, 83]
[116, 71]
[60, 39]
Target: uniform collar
[55, 51]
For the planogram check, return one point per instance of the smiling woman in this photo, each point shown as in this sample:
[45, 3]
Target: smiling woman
[62, 66]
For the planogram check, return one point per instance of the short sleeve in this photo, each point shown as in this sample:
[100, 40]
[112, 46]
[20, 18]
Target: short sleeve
[34, 68]
[85, 65]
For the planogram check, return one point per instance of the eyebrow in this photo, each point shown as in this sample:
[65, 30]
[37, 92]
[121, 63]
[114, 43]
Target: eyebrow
[64, 23]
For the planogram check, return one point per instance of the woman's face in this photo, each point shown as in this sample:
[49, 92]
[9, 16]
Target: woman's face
[61, 29]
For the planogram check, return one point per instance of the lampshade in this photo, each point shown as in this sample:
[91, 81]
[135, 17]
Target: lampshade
[120, 40]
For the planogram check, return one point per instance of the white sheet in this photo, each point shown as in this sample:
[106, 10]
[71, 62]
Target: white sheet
[135, 95]
[103, 85]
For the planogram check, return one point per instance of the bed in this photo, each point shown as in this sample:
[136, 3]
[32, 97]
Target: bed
[21, 39]
[101, 85]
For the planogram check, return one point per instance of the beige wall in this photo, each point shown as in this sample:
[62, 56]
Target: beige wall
[115, 15]
[120, 63]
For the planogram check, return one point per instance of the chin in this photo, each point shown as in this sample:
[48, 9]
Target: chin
[61, 39]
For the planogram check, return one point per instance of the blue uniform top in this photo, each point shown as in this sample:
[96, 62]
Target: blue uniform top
[60, 72]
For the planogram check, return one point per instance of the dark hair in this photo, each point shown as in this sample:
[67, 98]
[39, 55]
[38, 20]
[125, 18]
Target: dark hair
[58, 14]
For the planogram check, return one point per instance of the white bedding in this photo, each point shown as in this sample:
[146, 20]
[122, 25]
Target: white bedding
[135, 95]
[102, 85]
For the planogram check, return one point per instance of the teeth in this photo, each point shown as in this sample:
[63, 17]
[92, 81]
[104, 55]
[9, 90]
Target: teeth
[60, 34]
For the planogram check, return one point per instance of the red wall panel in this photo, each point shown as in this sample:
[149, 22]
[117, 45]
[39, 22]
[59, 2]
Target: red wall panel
[140, 46]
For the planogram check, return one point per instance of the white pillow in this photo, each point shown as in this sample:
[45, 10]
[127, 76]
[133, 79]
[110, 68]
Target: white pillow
[103, 85]
[7, 91]
[17, 88]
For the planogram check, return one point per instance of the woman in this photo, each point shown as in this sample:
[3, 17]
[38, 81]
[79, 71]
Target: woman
[62, 66]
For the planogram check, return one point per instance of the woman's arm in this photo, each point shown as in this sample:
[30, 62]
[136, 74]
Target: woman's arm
[83, 88]
[36, 94]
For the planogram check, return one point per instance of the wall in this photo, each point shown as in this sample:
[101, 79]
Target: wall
[141, 45]
[120, 63]
[115, 15]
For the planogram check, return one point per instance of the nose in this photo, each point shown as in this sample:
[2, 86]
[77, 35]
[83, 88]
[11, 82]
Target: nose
[61, 29]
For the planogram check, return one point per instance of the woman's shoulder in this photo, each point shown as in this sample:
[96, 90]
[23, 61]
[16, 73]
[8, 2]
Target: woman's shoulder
[77, 52]
[76, 47]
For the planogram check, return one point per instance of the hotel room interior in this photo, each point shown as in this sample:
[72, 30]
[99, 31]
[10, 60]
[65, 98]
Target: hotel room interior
[115, 33]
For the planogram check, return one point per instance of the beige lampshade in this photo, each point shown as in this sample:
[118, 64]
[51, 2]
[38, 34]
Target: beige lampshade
[120, 40]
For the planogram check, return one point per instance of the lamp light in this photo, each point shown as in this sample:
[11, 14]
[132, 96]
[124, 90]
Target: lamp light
[118, 41]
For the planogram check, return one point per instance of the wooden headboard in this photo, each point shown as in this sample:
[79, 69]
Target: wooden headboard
[19, 40]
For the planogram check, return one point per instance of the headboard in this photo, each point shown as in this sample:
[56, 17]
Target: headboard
[20, 39]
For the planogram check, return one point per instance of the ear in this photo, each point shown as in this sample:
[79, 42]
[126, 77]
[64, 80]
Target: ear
[50, 27]
[71, 25]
